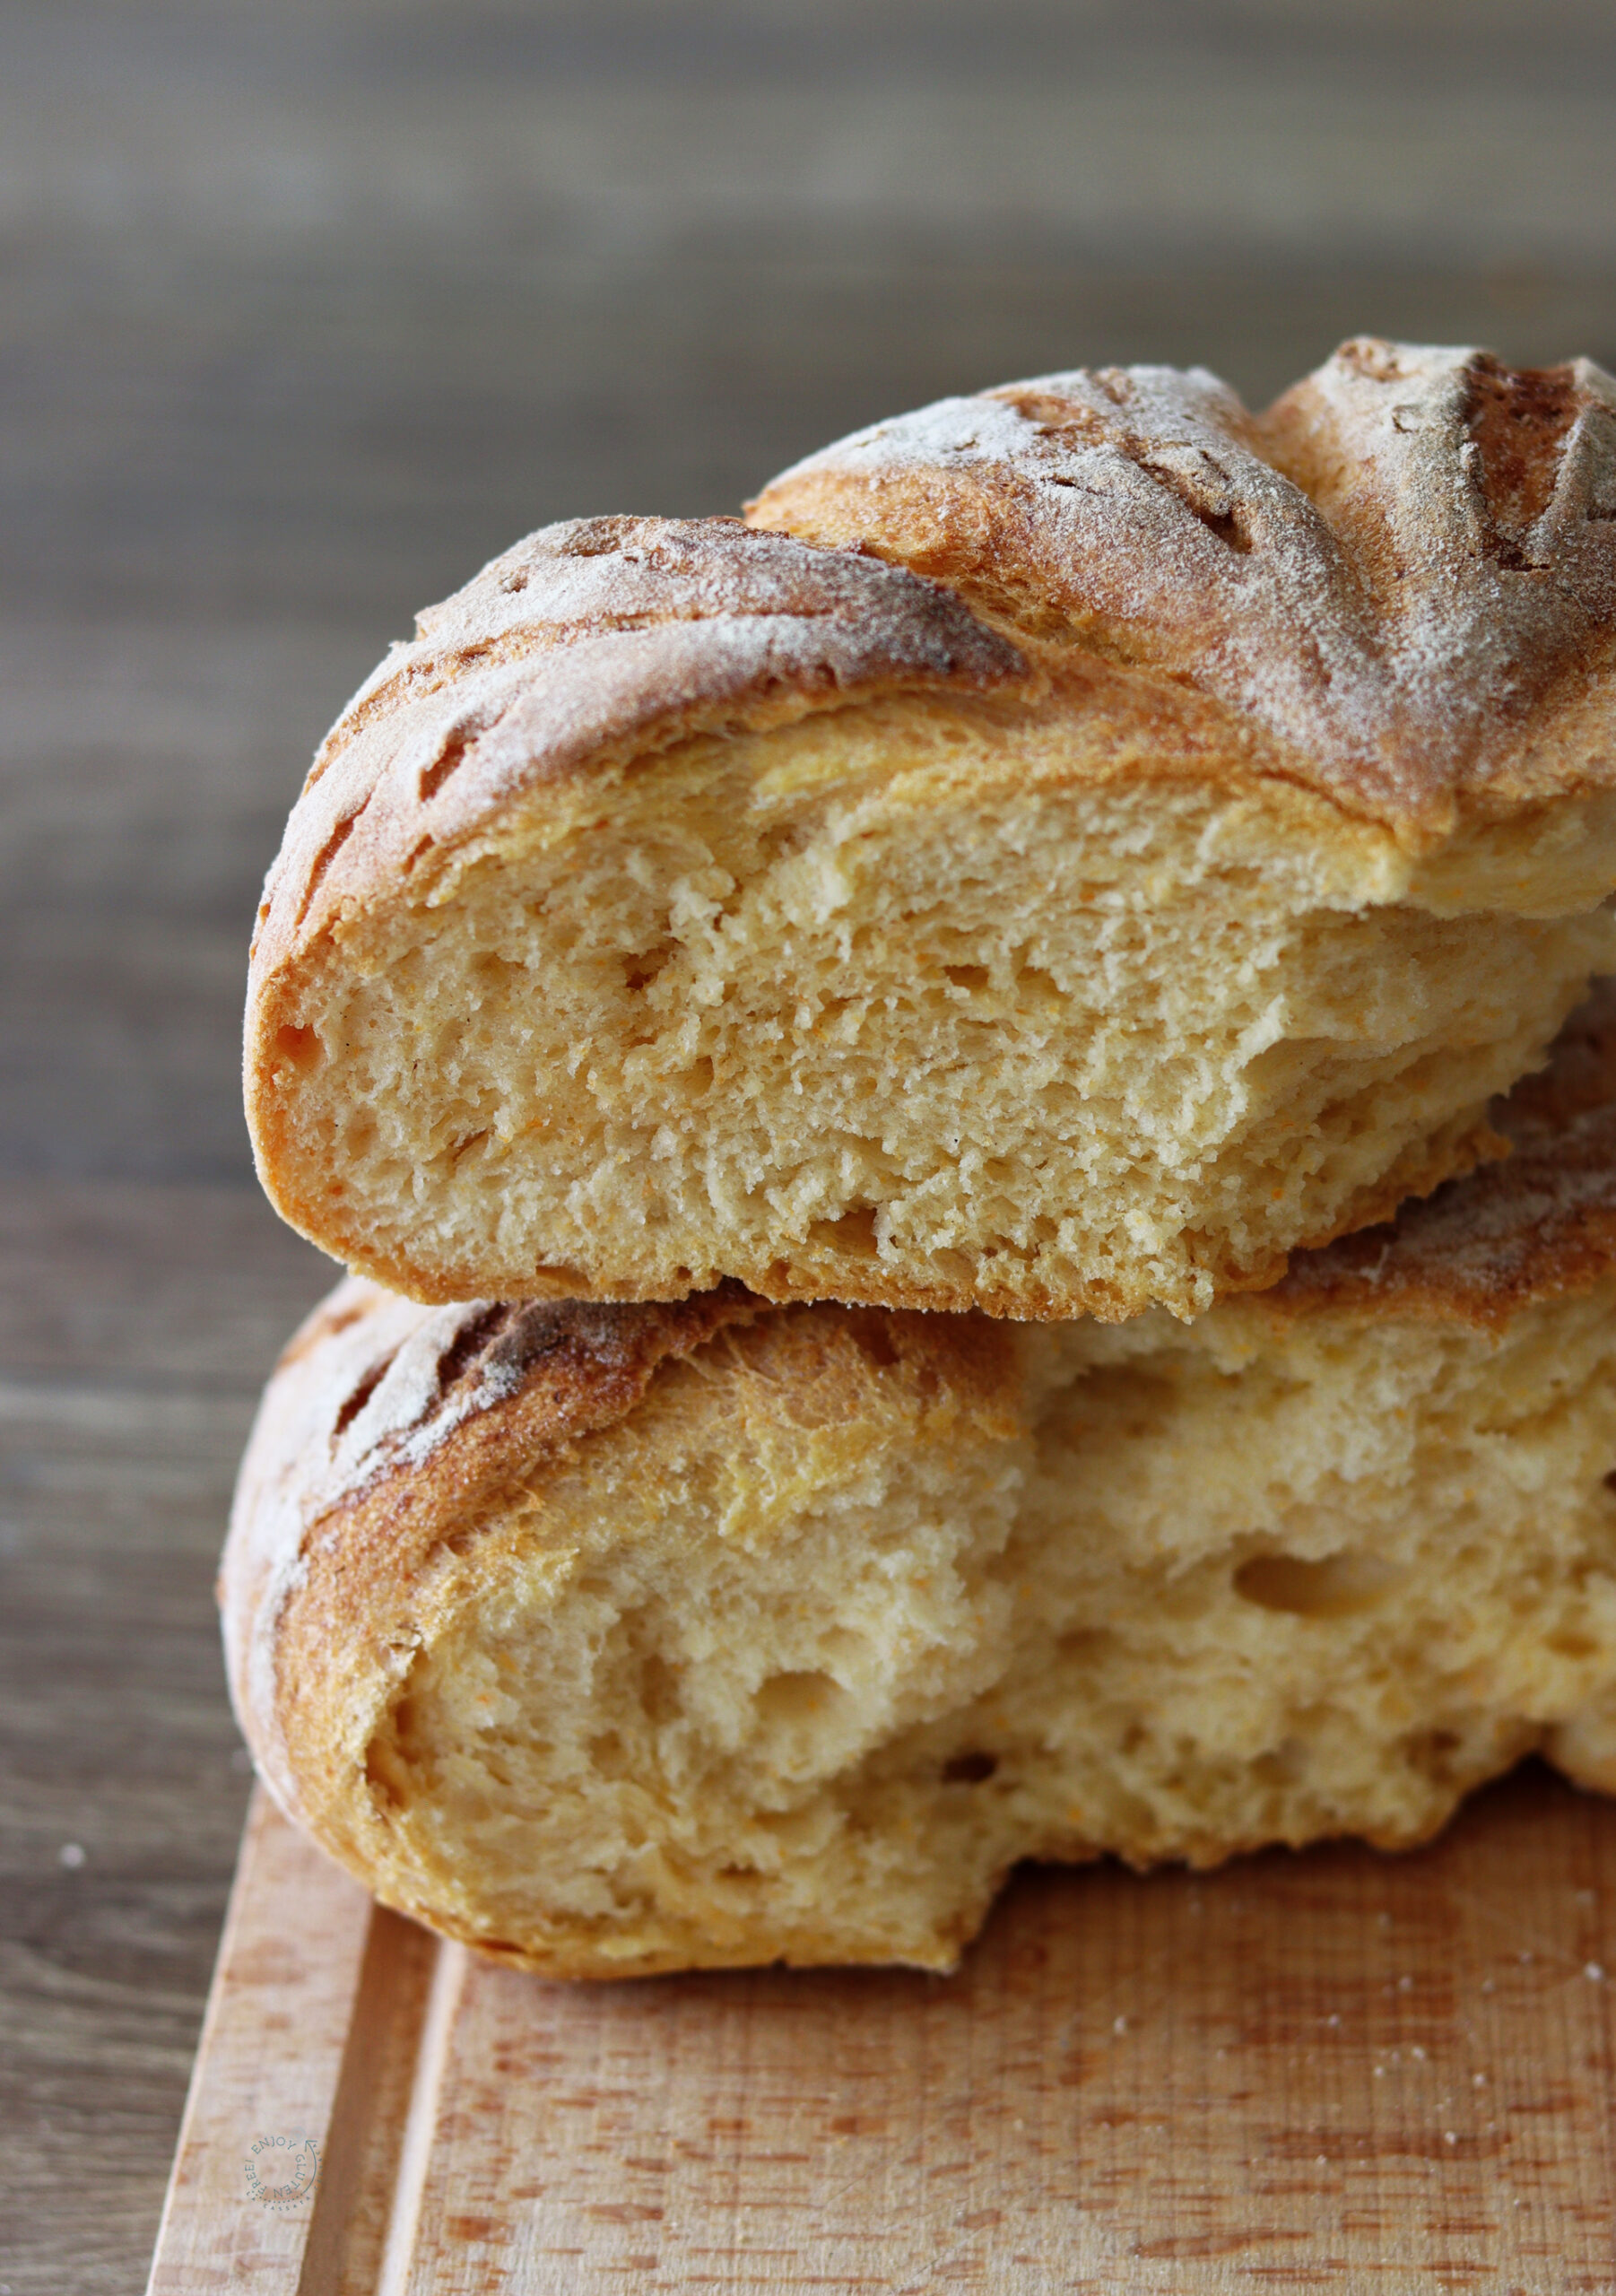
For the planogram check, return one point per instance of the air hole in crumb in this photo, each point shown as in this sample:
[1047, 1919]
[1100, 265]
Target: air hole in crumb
[659, 1689]
[1083, 1645]
[972, 977]
[969, 1769]
[1034, 985]
[797, 1698]
[1571, 1645]
[562, 1283]
[300, 1047]
[780, 843]
[642, 968]
[1610, 1480]
[1281, 1765]
[1333, 1588]
[606, 1754]
[853, 1234]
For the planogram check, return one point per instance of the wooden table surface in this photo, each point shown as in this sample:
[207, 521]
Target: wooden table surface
[306, 312]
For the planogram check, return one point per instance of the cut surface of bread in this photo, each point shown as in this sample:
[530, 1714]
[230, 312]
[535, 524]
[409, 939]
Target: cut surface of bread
[618, 1639]
[1138, 891]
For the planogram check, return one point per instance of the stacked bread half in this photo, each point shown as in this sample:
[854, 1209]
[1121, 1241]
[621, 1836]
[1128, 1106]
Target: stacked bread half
[985, 1113]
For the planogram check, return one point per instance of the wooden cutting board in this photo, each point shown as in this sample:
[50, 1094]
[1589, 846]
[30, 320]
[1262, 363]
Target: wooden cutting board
[1335, 2071]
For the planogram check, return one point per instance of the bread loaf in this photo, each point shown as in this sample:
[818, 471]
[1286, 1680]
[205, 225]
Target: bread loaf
[625, 1638]
[1127, 839]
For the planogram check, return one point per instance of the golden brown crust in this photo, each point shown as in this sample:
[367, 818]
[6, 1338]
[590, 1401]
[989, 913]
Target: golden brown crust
[389, 1431]
[385, 1424]
[1536, 1226]
[391, 1439]
[1405, 570]
[587, 642]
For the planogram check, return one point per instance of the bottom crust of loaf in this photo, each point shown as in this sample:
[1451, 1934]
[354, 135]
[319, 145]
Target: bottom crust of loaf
[791, 1655]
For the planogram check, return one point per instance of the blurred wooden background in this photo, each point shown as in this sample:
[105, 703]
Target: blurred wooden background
[307, 310]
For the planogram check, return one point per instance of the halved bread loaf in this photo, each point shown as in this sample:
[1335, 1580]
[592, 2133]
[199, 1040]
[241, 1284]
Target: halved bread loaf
[616, 1640]
[1162, 876]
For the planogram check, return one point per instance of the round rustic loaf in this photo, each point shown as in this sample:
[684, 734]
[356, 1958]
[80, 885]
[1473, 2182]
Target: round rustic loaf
[1126, 840]
[623, 1639]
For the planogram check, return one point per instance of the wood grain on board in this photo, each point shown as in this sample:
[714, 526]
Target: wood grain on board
[1332, 2071]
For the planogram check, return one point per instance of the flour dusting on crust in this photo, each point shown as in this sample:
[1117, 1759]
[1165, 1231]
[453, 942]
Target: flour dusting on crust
[586, 641]
[1390, 571]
